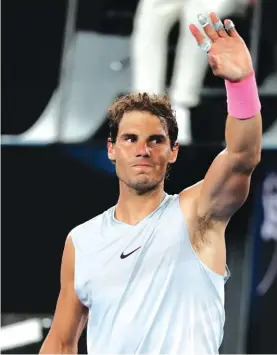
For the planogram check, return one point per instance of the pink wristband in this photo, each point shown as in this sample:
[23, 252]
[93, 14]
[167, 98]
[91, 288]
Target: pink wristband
[242, 98]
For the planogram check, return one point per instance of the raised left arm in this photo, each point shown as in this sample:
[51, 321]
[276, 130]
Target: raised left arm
[226, 184]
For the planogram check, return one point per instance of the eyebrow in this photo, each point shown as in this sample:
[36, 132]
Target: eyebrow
[128, 135]
[161, 137]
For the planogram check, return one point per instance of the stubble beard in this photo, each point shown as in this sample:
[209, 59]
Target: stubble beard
[143, 187]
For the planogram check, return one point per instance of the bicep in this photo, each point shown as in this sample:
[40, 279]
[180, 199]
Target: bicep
[69, 319]
[224, 188]
[70, 315]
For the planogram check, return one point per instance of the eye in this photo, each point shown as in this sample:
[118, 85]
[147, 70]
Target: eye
[130, 138]
[157, 140]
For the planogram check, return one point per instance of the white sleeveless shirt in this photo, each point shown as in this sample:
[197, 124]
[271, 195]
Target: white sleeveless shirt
[144, 286]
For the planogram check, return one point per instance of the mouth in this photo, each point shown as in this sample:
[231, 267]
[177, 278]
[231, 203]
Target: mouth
[142, 165]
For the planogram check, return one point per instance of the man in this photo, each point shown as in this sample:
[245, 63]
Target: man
[150, 271]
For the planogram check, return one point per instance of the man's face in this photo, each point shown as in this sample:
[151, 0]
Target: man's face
[142, 151]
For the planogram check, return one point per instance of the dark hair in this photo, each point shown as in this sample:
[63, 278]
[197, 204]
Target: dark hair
[158, 105]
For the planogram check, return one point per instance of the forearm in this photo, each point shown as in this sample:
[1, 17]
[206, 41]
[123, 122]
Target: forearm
[244, 137]
[244, 123]
[53, 345]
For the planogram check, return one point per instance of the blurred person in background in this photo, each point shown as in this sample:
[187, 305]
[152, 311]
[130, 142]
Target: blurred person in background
[149, 272]
[152, 23]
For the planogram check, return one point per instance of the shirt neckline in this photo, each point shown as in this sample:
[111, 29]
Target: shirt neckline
[146, 218]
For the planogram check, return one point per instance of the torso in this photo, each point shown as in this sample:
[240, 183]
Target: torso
[161, 298]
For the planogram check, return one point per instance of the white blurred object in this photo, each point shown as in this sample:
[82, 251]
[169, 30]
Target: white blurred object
[269, 198]
[20, 334]
[241, 7]
[183, 120]
[270, 136]
[153, 21]
[269, 229]
[46, 322]
[90, 89]
[270, 84]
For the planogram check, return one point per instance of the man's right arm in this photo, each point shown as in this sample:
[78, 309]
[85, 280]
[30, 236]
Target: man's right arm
[70, 315]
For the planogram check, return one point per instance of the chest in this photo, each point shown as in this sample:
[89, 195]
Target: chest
[135, 260]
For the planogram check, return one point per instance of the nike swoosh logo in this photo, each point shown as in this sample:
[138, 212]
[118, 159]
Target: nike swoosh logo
[123, 256]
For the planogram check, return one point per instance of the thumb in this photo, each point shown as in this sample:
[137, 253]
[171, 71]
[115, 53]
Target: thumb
[214, 61]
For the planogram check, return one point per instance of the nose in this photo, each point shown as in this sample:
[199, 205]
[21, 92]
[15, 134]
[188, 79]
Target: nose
[143, 150]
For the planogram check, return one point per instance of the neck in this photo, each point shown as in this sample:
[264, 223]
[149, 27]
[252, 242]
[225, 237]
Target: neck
[131, 207]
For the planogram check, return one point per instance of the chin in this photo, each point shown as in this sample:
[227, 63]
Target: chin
[144, 184]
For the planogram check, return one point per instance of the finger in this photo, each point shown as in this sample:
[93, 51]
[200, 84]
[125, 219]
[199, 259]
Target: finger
[204, 43]
[218, 25]
[197, 34]
[230, 28]
[207, 27]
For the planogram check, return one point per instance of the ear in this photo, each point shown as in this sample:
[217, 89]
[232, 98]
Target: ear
[111, 150]
[174, 153]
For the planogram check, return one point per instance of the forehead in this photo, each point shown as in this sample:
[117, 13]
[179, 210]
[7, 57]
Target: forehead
[141, 122]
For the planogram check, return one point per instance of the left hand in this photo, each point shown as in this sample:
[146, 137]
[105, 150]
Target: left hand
[229, 56]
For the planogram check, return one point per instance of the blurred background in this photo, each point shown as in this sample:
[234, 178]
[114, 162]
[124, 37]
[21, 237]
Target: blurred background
[63, 63]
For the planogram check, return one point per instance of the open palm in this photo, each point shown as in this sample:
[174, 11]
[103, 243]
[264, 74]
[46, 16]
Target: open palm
[228, 56]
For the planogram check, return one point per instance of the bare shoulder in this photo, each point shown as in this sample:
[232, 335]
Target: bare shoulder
[68, 259]
[189, 198]
[192, 191]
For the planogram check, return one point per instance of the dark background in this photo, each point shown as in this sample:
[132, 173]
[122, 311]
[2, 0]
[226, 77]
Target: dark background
[48, 190]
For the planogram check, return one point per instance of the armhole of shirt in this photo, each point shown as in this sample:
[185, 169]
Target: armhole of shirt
[214, 276]
[74, 239]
